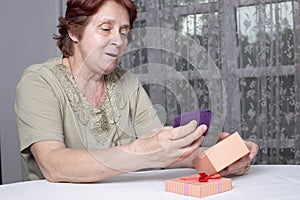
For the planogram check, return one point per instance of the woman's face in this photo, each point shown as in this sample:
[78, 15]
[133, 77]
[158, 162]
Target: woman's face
[104, 39]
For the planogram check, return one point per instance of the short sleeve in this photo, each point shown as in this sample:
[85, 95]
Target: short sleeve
[37, 109]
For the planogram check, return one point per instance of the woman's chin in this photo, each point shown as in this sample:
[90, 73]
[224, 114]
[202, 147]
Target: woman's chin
[109, 69]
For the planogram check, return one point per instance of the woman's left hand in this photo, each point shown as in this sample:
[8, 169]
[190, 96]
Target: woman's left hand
[242, 165]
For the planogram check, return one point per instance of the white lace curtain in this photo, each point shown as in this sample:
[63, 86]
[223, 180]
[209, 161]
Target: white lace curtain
[256, 46]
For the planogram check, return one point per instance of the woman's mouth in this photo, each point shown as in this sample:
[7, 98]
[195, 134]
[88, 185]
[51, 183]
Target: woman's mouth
[112, 55]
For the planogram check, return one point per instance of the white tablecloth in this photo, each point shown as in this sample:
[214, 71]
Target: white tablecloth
[261, 182]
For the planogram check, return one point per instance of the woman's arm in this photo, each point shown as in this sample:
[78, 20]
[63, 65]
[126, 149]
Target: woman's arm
[61, 164]
[154, 150]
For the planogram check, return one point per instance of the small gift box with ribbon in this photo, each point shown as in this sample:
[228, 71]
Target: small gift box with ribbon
[198, 185]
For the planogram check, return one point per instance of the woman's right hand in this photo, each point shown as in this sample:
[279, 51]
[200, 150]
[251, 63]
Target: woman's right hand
[168, 145]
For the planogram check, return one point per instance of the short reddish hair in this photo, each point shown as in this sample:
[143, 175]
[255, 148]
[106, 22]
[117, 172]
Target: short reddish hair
[76, 18]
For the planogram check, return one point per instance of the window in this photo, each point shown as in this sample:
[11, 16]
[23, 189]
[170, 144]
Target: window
[255, 45]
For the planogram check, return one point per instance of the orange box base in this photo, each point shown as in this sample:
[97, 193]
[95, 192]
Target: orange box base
[198, 189]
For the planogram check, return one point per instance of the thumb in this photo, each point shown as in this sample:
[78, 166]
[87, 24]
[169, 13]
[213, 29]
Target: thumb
[222, 136]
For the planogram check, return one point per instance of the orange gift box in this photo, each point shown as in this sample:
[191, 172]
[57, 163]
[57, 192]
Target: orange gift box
[221, 155]
[190, 186]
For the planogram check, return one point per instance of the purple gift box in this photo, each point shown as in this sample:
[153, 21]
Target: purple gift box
[201, 116]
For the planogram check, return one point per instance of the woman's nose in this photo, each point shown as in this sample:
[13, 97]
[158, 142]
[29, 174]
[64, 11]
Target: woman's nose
[116, 39]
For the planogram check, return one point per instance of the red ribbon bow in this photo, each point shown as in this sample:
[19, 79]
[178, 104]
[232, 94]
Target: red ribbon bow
[202, 177]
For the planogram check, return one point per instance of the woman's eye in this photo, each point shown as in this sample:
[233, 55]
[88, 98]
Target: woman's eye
[124, 33]
[105, 29]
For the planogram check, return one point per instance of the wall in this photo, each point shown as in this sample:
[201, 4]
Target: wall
[26, 28]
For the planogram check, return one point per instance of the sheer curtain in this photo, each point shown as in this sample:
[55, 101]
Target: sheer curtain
[268, 66]
[255, 44]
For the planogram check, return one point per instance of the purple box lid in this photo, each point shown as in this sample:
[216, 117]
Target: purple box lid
[201, 116]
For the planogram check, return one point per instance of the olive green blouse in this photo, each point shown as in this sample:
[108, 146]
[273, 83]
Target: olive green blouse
[49, 107]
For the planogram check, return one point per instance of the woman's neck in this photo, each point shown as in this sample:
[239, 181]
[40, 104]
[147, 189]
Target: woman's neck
[90, 84]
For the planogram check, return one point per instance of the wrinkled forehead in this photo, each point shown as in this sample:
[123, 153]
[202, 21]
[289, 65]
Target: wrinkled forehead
[111, 12]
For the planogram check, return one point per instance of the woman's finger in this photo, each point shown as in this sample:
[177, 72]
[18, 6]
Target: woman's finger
[238, 168]
[253, 149]
[190, 138]
[222, 136]
[183, 131]
[189, 150]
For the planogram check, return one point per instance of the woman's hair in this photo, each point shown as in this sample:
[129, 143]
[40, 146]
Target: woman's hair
[76, 18]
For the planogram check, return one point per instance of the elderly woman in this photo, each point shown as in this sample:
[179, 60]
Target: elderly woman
[85, 119]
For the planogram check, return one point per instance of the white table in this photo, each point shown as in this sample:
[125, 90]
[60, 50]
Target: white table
[262, 182]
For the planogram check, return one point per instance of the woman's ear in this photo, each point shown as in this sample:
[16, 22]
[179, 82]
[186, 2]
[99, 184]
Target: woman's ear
[73, 37]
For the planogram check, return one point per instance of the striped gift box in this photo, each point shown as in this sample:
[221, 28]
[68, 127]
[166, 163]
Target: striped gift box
[189, 187]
